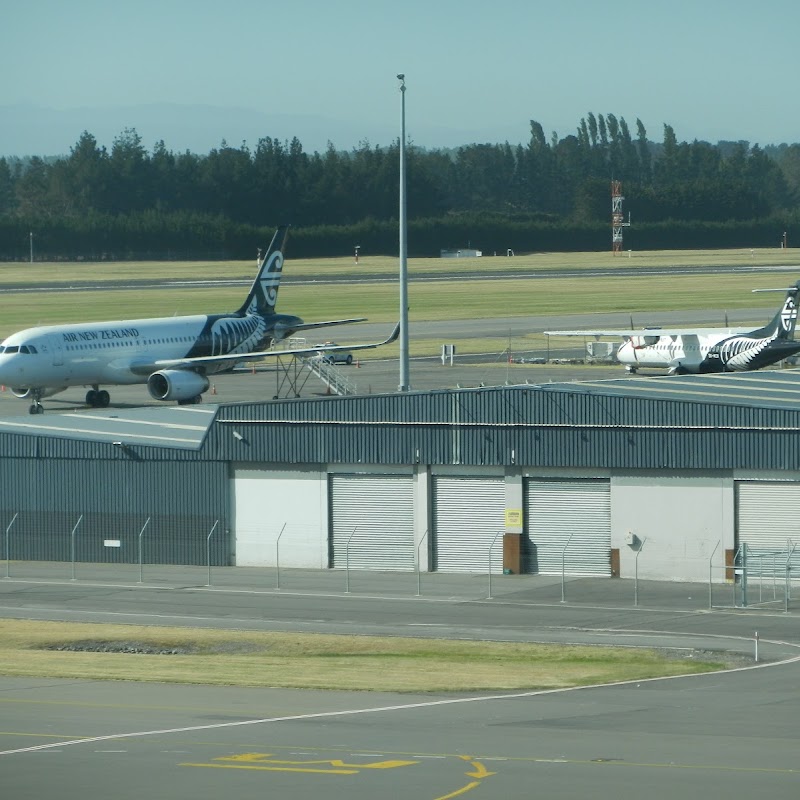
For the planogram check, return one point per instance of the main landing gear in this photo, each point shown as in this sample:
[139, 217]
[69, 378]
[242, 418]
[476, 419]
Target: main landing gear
[97, 398]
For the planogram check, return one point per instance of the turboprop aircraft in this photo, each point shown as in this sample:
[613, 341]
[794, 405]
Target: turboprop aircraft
[703, 350]
[172, 355]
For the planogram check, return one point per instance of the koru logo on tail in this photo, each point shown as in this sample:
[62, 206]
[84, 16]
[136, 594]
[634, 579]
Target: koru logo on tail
[789, 314]
[272, 276]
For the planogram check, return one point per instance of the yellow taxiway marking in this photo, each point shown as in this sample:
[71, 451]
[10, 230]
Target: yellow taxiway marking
[478, 770]
[262, 761]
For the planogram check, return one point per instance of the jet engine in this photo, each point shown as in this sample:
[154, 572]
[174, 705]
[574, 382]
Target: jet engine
[26, 391]
[176, 384]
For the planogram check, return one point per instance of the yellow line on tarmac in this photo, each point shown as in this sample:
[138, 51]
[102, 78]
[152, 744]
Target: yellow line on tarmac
[275, 769]
[463, 790]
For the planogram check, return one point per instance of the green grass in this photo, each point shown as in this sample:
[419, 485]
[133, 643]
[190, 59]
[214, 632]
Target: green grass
[290, 660]
[505, 296]
[67, 272]
[427, 301]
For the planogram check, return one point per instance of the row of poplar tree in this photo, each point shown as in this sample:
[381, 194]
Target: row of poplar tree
[548, 194]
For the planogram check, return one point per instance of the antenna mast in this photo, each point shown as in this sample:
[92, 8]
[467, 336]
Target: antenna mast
[617, 223]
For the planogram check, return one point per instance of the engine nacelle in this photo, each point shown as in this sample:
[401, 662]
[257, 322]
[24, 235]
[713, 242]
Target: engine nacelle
[176, 384]
[26, 391]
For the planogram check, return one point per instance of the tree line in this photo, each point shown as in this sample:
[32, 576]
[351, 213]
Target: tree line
[549, 194]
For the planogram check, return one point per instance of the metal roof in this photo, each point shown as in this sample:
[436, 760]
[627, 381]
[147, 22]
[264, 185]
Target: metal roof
[181, 427]
[759, 389]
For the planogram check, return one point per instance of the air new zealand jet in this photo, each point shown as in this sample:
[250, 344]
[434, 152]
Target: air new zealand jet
[172, 355]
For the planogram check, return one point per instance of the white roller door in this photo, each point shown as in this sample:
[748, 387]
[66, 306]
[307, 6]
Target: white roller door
[558, 510]
[767, 522]
[372, 521]
[280, 515]
[469, 520]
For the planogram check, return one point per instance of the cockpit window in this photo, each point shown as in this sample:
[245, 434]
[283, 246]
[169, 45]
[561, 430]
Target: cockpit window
[12, 348]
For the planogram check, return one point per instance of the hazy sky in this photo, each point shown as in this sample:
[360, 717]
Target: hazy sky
[476, 70]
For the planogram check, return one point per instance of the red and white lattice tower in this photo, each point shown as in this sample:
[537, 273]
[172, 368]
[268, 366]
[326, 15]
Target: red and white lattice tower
[617, 223]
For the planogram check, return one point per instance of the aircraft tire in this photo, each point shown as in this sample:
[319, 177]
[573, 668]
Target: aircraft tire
[102, 399]
[36, 408]
[91, 398]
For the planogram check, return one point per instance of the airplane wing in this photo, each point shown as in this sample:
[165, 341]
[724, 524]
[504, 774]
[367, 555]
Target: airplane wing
[307, 326]
[185, 363]
[627, 333]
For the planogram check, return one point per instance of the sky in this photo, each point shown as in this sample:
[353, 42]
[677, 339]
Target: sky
[194, 72]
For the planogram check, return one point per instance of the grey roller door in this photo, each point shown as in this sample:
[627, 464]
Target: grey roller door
[380, 509]
[468, 515]
[767, 522]
[558, 510]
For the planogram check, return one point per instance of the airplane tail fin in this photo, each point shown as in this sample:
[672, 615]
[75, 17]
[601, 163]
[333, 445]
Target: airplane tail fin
[264, 292]
[783, 323]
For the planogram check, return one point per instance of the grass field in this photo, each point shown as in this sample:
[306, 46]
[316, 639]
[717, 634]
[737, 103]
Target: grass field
[241, 658]
[437, 300]
[68, 272]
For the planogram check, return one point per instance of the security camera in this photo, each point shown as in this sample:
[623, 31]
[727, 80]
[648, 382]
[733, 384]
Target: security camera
[401, 77]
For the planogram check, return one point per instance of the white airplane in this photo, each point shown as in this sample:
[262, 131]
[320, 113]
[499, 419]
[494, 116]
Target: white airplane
[173, 355]
[705, 350]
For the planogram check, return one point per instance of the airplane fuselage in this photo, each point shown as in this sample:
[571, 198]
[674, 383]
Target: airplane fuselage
[697, 353]
[128, 351]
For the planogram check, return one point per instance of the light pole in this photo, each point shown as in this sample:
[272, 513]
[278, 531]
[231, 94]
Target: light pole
[31, 238]
[404, 380]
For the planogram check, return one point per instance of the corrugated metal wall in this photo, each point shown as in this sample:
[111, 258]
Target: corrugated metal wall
[112, 500]
[508, 426]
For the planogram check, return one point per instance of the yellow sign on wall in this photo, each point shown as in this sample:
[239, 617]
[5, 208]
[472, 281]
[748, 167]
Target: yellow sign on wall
[513, 518]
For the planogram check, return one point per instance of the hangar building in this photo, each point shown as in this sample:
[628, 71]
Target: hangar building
[669, 476]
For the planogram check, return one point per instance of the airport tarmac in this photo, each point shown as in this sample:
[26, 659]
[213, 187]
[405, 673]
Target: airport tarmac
[723, 734]
[368, 376]
[731, 734]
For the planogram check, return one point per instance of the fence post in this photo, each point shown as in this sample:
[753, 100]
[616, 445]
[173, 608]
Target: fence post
[278, 558]
[72, 544]
[8, 547]
[563, 557]
[491, 547]
[141, 533]
[347, 561]
[744, 575]
[711, 576]
[208, 549]
[419, 571]
[636, 573]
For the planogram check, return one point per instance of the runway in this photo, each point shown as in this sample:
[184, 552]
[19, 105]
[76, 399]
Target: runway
[731, 734]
